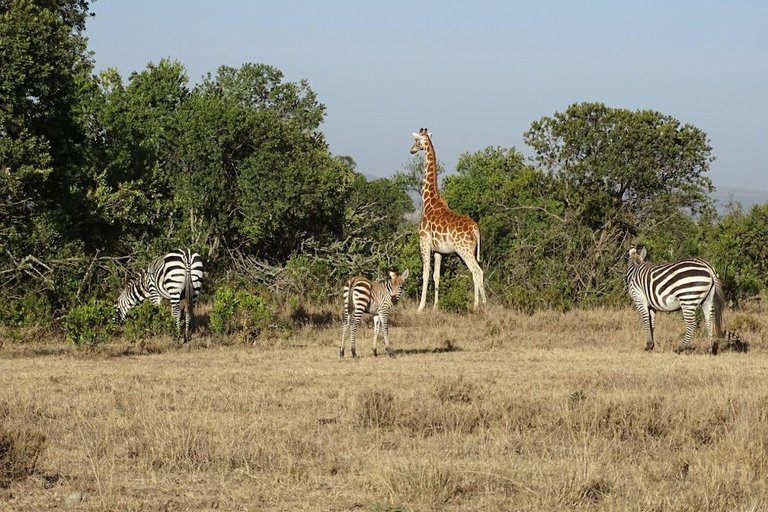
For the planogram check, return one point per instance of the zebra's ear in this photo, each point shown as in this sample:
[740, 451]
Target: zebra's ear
[391, 275]
[643, 252]
[404, 275]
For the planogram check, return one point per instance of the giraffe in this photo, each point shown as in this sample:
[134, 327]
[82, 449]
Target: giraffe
[443, 231]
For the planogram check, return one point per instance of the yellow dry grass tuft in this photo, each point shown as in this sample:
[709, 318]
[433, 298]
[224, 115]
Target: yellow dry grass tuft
[487, 411]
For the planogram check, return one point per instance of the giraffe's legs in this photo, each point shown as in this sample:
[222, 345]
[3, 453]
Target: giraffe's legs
[436, 275]
[424, 249]
[477, 275]
[689, 315]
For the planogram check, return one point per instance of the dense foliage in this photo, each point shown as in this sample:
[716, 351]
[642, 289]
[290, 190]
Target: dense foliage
[99, 173]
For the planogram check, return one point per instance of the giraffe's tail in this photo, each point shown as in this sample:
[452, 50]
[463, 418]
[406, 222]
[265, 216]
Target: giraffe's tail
[477, 247]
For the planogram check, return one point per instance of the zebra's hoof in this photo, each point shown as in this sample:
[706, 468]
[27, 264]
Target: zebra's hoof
[375, 354]
[714, 350]
[648, 348]
[341, 354]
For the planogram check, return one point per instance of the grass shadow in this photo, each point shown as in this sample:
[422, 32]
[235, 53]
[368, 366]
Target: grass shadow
[732, 342]
[448, 346]
[300, 316]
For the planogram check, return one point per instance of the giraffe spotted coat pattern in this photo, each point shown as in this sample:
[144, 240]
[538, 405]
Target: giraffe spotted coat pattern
[443, 231]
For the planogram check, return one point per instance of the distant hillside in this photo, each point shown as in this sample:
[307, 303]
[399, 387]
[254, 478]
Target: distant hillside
[747, 197]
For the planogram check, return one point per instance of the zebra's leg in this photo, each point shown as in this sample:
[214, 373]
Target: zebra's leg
[436, 276]
[651, 326]
[354, 323]
[176, 312]
[376, 325]
[190, 313]
[689, 316]
[344, 327]
[708, 306]
[647, 316]
[385, 328]
[426, 253]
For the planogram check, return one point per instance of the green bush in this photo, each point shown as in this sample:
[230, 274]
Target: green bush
[147, 320]
[90, 323]
[239, 312]
[32, 309]
[456, 293]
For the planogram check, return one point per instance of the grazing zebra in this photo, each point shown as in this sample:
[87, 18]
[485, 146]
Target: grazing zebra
[363, 296]
[685, 285]
[175, 276]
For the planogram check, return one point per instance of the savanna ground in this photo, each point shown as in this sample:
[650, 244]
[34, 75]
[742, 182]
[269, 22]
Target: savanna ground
[488, 411]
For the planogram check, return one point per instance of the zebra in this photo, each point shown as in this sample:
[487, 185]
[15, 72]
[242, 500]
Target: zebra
[175, 276]
[685, 285]
[363, 296]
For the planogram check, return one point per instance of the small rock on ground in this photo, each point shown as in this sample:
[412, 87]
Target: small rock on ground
[74, 497]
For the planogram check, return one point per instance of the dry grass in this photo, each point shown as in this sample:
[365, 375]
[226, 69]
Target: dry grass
[489, 411]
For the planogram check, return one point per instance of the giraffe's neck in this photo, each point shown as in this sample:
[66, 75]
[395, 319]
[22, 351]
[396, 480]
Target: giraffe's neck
[430, 194]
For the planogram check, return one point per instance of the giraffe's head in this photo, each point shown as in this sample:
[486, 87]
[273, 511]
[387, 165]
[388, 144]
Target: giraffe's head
[422, 139]
[396, 285]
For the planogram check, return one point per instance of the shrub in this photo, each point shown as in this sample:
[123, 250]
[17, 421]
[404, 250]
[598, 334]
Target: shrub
[90, 323]
[240, 312]
[456, 293]
[19, 453]
[32, 309]
[148, 320]
[375, 408]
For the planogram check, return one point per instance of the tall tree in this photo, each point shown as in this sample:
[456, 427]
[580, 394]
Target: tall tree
[620, 173]
[619, 164]
[43, 144]
[252, 169]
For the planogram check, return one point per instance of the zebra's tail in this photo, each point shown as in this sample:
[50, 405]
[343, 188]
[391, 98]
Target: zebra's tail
[350, 299]
[719, 307]
[189, 291]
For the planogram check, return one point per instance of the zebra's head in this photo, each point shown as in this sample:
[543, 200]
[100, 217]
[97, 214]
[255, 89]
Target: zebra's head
[635, 259]
[121, 306]
[396, 285]
[119, 317]
[422, 140]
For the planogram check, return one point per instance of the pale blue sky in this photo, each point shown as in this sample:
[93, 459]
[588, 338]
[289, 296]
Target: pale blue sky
[474, 73]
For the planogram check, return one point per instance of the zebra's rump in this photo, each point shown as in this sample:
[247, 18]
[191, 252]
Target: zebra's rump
[357, 294]
[673, 285]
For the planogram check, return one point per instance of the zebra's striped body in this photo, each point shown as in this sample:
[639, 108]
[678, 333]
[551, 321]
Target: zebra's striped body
[683, 285]
[175, 276]
[363, 296]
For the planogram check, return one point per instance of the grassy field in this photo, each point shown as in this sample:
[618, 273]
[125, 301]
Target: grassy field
[489, 411]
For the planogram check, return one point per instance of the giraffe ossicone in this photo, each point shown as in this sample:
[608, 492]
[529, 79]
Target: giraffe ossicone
[443, 231]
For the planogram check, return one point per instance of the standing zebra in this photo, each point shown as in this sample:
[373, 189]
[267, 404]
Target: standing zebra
[363, 296]
[685, 285]
[175, 276]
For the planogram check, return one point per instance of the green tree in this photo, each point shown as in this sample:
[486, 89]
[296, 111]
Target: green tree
[252, 170]
[43, 144]
[620, 166]
[620, 174]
